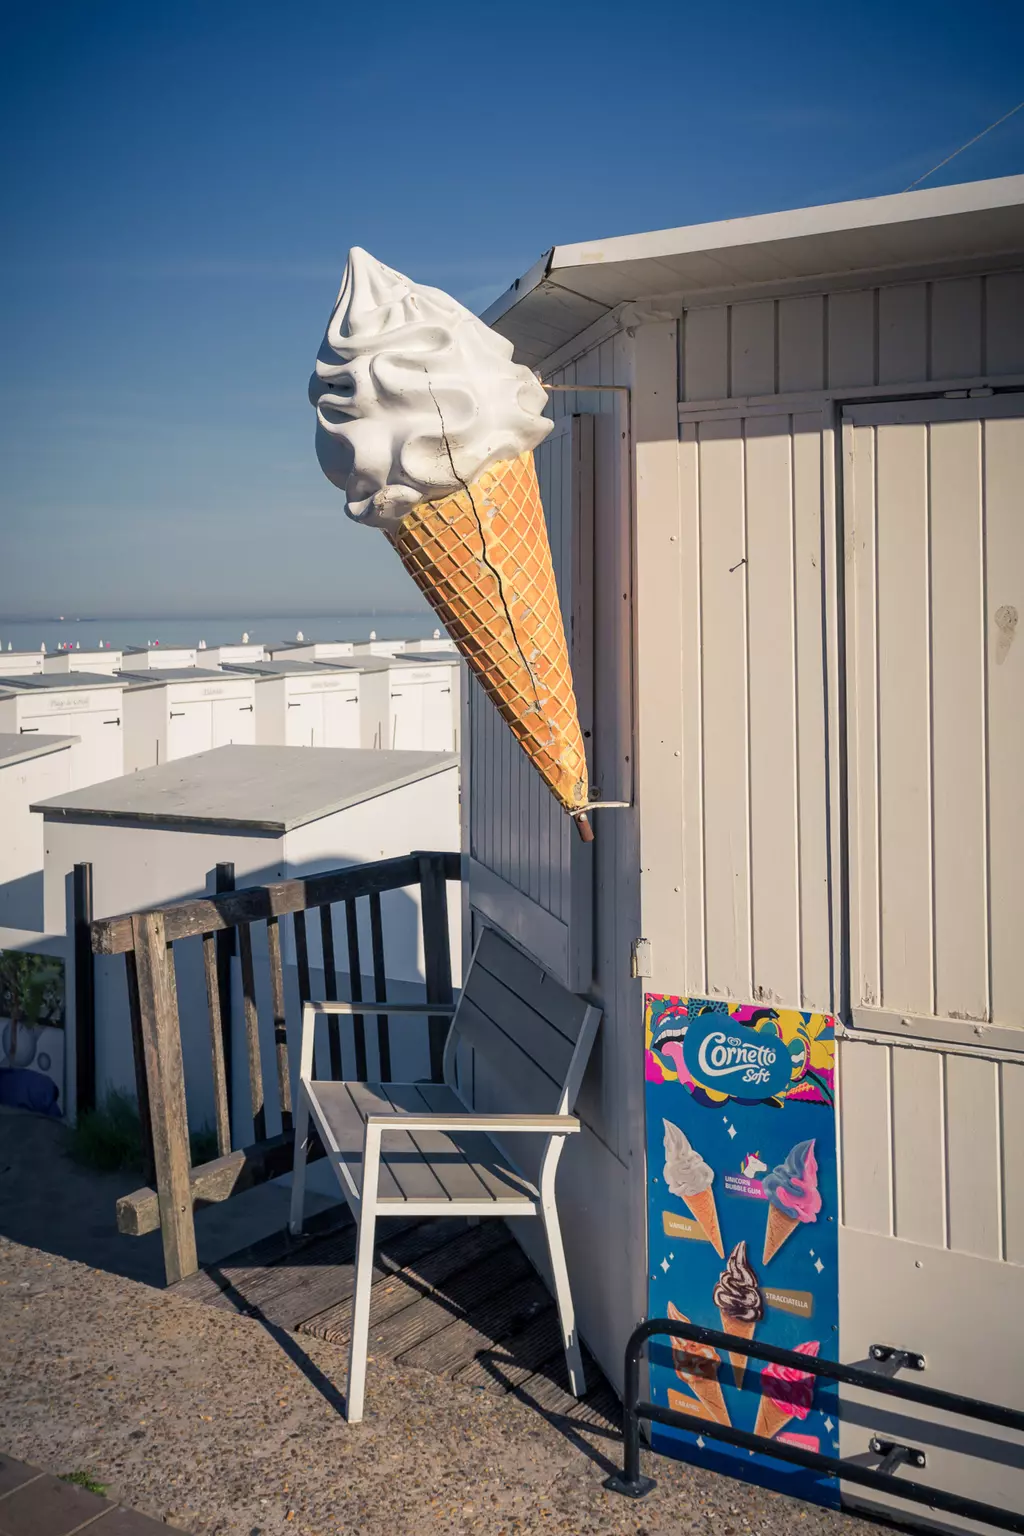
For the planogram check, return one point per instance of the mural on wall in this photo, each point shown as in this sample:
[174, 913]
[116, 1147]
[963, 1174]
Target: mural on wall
[742, 1227]
[31, 1031]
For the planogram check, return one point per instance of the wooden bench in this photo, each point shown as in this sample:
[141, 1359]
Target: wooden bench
[425, 1147]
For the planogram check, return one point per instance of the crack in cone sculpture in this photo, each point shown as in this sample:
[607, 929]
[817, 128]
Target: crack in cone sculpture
[482, 560]
[428, 426]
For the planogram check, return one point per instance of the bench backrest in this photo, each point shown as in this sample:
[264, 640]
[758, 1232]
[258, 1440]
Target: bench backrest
[534, 1035]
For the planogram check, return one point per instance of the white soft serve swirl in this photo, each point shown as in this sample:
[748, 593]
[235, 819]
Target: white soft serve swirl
[415, 397]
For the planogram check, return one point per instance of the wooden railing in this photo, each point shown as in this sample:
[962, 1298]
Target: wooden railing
[147, 940]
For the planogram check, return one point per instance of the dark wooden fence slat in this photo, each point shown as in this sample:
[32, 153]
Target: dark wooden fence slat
[284, 1081]
[355, 981]
[213, 1009]
[331, 989]
[212, 914]
[227, 946]
[139, 1053]
[437, 954]
[85, 995]
[252, 1034]
[165, 1075]
[302, 957]
[380, 987]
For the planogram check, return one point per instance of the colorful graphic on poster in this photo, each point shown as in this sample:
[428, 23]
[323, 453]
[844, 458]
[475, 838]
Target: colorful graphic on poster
[31, 1031]
[742, 1228]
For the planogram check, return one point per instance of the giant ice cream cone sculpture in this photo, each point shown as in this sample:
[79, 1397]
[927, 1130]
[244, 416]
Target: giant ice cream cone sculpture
[427, 425]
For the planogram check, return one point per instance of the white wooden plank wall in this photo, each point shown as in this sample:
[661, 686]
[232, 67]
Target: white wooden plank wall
[753, 863]
[935, 552]
[931, 1144]
[955, 328]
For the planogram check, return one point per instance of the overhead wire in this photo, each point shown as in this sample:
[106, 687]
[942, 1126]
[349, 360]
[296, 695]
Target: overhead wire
[977, 136]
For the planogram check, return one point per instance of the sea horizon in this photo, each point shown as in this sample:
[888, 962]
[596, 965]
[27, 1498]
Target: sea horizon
[266, 629]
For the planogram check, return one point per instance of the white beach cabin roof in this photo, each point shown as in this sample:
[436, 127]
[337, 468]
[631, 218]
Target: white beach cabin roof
[934, 231]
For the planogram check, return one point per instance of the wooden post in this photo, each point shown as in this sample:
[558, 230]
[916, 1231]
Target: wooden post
[139, 1053]
[437, 958]
[85, 991]
[165, 1076]
[224, 880]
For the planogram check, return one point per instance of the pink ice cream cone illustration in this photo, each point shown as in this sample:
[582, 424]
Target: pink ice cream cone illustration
[792, 1190]
[698, 1366]
[740, 1305]
[786, 1393]
[689, 1178]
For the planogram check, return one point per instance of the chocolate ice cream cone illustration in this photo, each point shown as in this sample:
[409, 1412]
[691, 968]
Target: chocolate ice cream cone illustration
[698, 1366]
[689, 1178]
[786, 1393]
[792, 1190]
[740, 1305]
[428, 426]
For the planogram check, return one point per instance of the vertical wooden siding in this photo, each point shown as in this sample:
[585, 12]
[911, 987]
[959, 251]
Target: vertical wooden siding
[931, 1146]
[935, 553]
[752, 768]
[955, 328]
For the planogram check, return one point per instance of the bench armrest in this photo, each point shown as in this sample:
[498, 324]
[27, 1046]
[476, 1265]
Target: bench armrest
[447, 1009]
[553, 1124]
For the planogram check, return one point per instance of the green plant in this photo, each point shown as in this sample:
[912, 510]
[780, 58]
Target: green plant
[84, 1480]
[31, 990]
[109, 1138]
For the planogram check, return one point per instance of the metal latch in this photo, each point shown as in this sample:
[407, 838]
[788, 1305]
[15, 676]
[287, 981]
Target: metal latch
[640, 959]
[895, 1455]
[894, 1359]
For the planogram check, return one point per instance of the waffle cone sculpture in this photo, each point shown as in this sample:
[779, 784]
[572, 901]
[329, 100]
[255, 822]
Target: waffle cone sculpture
[482, 560]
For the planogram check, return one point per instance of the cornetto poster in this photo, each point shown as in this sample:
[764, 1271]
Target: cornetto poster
[742, 1223]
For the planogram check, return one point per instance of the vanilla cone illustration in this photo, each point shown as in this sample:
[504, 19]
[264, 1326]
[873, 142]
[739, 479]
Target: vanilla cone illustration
[428, 426]
[689, 1178]
[697, 1365]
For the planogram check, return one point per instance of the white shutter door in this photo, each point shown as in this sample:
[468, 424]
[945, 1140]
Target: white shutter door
[529, 873]
[341, 718]
[189, 729]
[935, 700]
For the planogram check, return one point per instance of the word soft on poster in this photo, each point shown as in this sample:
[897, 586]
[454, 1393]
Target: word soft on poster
[742, 1227]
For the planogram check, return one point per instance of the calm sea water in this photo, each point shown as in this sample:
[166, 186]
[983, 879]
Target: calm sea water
[30, 634]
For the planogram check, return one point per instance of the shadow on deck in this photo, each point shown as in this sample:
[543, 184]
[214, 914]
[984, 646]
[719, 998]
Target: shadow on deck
[462, 1302]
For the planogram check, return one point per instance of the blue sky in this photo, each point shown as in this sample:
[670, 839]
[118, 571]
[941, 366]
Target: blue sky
[182, 182]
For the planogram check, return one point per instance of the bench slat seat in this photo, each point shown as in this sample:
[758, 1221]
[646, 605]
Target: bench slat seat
[426, 1147]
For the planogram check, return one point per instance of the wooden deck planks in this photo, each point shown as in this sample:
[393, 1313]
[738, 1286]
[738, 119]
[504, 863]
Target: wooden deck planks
[459, 1301]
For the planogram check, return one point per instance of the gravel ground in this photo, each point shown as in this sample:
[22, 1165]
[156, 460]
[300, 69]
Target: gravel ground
[220, 1426]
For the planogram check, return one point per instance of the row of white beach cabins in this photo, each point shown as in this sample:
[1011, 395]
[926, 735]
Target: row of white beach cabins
[74, 719]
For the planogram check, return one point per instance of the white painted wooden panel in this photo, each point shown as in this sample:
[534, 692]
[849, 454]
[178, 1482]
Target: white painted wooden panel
[952, 329]
[963, 1314]
[931, 1140]
[747, 879]
[851, 338]
[726, 757]
[1003, 443]
[902, 333]
[753, 348]
[935, 712]
[801, 344]
[1004, 323]
[706, 353]
[956, 336]
[865, 1137]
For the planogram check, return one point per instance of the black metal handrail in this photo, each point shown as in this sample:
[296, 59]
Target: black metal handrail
[633, 1484]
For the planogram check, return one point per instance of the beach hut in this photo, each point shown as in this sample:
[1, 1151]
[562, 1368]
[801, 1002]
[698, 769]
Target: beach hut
[311, 650]
[85, 705]
[423, 702]
[231, 655]
[138, 657]
[32, 768]
[310, 704]
[174, 712]
[101, 660]
[273, 813]
[21, 663]
[784, 495]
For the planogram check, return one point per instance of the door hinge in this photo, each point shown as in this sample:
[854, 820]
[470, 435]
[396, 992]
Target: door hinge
[640, 963]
